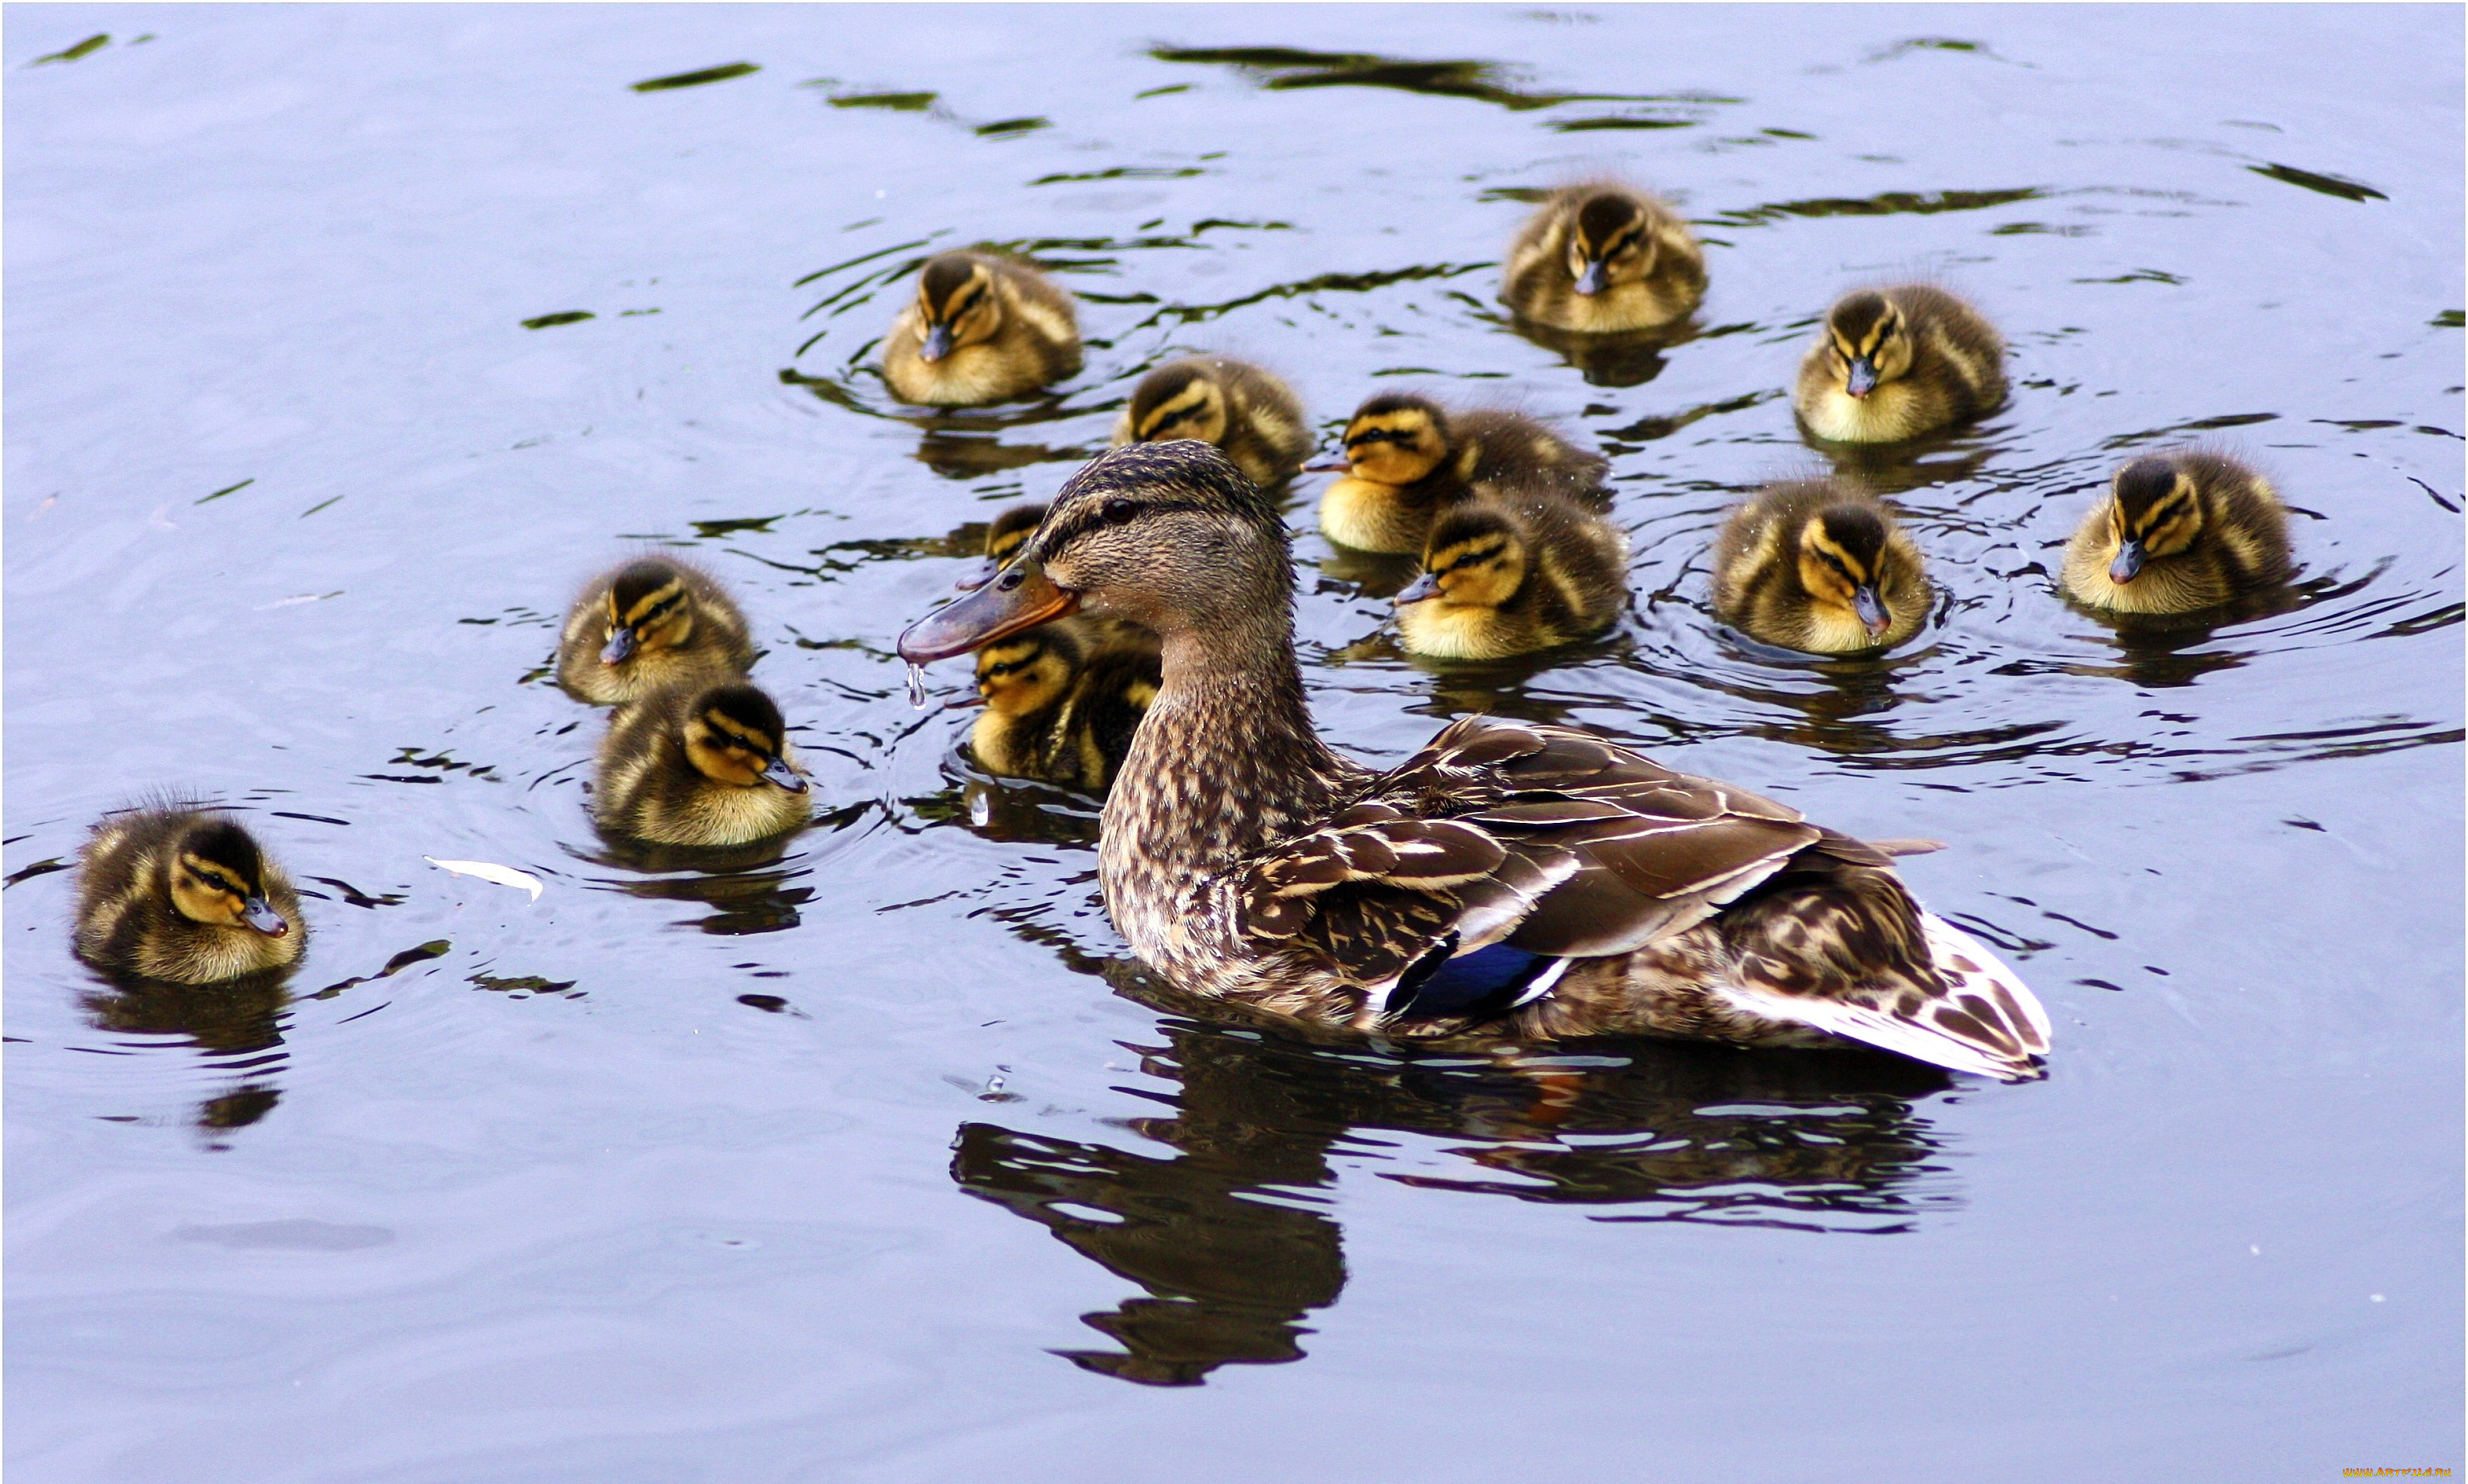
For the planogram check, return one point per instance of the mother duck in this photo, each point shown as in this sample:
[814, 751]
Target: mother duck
[1509, 880]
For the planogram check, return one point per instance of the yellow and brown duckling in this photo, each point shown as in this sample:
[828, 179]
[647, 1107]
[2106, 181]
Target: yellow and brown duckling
[1500, 579]
[1244, 410]
[1058, 710]
[2178, 533]
[700, 766]
[983, 328]
[183, 895]
[651, 622]
[1891, 364]
[1408, 458]
[1604, 258]
[1814, 564]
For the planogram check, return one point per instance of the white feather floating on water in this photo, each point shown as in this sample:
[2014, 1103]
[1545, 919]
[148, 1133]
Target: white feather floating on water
[491, 871]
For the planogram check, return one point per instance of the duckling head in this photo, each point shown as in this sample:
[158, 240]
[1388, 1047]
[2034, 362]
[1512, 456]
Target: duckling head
[1027, 672]
[1397, 439]
[2157, 513]
[1610, 243]
[1475, 557]
[1004, 539]
[1843, 554]
[648, 609]
[217, 878]
[1180, 401]
[956, 300]
[734, 735]
[1868, 340]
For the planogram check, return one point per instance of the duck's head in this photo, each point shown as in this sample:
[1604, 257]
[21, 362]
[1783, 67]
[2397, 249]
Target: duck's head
[650, 608]
[1475, 557]
[1610, 241]
[1170, 535]
[1843, 557]
[217, 878]
[1004, 539]
[956, 299]
[1868, 342]
[1397, 439]
[1180, 401]
[1029, 671]
[734, 735]
[2158, 513]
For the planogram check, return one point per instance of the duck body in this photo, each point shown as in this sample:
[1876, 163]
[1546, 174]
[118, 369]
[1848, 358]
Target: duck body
[1604, 258]
[1893, 364]
[2179, 533]
[701, 765]
[1408, 459]
[1058, 710]
[1513, 880]
[182, 895]
[652, 623]
[1817, 565]
[1248, 413]
[984, 327]
[1501, 579]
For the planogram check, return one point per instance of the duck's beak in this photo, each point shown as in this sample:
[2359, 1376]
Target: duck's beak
[1340, 467]
[2129, 560]
[621, 645]
[1863, 377]
[1871, 609]
[263, 917]
[1019, 597]
[1428, 585]
[780, 772]
[1595, 279]
[938, 343]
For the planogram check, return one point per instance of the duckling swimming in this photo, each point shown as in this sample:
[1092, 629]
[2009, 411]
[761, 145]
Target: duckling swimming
[1814, 564]
[1059, 711]
[1408, 458]
[1500, 580]
[182, 895]
[651, 622]
[2179, 531]
[1242, 409]
[1603, 258]
[699, 765]
[983, 328]
[1894, 363]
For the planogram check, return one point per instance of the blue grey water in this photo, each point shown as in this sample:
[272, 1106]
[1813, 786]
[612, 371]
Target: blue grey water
[878, 1163]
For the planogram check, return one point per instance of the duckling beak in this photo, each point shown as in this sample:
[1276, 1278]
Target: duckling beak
[1596, 278]
[1428, 585]
[1871, 609]
[263, 917]
[1863, 377]
[780, 772]
[979, 576]
[938, 343]
[2129, 562]
[1338, 466]
[621, 645]
[1020, 597]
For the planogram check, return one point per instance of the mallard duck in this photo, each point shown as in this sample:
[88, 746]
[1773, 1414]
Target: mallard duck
[654, 622]
[1500, 579]
[2176, 533]
[983, 328]
[1247, 412]
[1817, 565]
[1058, 711]
[700, 766]
[1406, 458]
[1519, 881]
[182, 895]
[1894, 363]
[1602, 258]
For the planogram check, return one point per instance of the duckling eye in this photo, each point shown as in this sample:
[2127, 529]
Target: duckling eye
[1117, 513]
[214, 881]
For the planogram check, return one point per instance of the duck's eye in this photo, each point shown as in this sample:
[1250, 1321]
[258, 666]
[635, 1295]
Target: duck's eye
[1117, 513]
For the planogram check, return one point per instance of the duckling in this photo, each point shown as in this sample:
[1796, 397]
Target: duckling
[1406, 458]
[1242, 409]
[1814, 564]
[651, 623]
[699, 765]
[1500, 580]
[983, 328]
[1058, 710]
[1602, 258]
[1894, 363]
[2179, 531]
[182, 895]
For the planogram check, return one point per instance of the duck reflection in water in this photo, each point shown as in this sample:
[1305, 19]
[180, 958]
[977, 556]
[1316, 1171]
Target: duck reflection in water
[1234, 1236]
[237, 1025]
